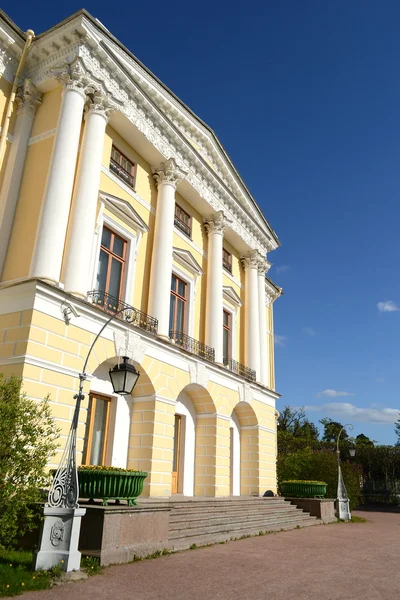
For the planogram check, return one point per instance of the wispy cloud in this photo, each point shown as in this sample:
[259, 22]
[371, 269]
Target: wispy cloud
[280, 340]
[282, 268]
[380, 379]
[333, 394]
[309, 331]
[388, 306]
[343, 411]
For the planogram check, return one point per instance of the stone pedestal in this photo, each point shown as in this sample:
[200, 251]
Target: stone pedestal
[59, 539]
[322, 508]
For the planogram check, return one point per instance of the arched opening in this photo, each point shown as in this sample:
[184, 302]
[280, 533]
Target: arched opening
[234, 457]
[184, 446]
[247, 476]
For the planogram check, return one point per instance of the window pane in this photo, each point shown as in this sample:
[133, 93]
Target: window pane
[115, 278]
[226, 346]
[172, 313]
[226, 318]
[106, 238]
[181, 288]
[176, 443]
[98, 433]
[173, 283]
[180, 315]
[102, 271]
[118, 247]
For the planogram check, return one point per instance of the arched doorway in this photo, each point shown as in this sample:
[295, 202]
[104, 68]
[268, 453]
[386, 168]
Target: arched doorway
[184, 446]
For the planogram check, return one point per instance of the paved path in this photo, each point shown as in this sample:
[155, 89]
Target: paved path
[355, 561]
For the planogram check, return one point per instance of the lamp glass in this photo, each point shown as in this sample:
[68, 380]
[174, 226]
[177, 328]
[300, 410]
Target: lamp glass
[123, 377]
[352, 452]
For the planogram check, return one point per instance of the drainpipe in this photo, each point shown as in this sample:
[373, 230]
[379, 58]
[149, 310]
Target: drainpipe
[4, 132]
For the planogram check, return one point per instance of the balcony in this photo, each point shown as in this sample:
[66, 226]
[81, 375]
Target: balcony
[120, 172]
[111, 305]
[184, 227]
[193, 346]
[239, 369]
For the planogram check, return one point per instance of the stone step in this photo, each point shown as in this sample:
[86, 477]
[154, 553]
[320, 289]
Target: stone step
[205, 540]
[232, 510]
[237, 515]
[192, 507]
[232, 526]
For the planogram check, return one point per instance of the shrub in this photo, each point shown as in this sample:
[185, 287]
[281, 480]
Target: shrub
[321, 465]
[27, 441]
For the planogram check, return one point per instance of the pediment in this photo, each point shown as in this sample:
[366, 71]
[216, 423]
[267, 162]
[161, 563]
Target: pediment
[187, 260]
[231, 296]
[124, 211]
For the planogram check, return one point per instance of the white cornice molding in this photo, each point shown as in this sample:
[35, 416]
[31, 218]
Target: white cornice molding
[124, 211]
[187, 260]
[78, 38]
[231, 296]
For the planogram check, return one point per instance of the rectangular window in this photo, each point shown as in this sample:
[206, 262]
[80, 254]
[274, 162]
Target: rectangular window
[110, 270]
[122, 167]
[227, 334]
[183, 220]
[96, 430]
[227, 260]
[177, 312]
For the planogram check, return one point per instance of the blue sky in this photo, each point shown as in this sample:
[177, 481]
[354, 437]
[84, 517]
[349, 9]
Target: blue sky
[305, 97]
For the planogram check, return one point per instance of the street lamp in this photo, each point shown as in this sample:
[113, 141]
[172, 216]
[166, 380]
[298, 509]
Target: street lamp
[342, 498]
[60, 531]
[352, 451]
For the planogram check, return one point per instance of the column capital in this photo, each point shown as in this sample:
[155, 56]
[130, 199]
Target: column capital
[28, 98]
[100, 103]
[73, 77]
[216, 223]
[168, 172]
[263, 266]
[251, 259]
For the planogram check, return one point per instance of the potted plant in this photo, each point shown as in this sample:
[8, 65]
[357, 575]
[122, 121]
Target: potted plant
[110, 483]
[297, 488]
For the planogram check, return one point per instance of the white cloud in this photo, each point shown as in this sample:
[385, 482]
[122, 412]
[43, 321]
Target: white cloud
[280, 340]
[309, 331]
[343, 411]
[282, 268]
[387, 306]
[333, 394]
[380, 379]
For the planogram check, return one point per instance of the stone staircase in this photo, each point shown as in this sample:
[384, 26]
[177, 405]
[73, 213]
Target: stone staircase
[199, 522]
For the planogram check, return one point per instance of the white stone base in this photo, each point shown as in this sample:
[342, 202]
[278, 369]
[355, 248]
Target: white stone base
[59, 539]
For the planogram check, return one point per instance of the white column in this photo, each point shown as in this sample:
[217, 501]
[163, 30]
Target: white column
[252, 325]
[82, 220]
[215, 226]
[167, 175]
[263, 267]
[50, 235]
[28, 98]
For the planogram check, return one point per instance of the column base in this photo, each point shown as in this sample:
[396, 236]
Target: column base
[59, 539]
[166, 338]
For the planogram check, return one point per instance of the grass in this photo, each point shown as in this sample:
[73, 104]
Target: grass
[17, 575]
[353, 519]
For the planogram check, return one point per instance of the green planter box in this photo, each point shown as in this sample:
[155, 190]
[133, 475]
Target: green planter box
[111, 485]
[303, 489]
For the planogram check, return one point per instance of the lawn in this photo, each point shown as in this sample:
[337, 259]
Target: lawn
[17, 574]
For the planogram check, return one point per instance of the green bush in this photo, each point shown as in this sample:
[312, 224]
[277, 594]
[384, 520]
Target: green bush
[28, 438]
[321, 465]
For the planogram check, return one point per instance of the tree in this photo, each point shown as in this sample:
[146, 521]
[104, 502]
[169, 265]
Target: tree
[28, 438]
[332, 430]
[363, 441]
[397, 430]
[295, 431]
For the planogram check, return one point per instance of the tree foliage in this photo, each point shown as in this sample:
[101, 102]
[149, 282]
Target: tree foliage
[28, 438]
[332, 430]
[397, 430]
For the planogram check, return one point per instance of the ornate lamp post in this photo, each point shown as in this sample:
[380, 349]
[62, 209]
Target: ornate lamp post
[60, 531]
[343, 501]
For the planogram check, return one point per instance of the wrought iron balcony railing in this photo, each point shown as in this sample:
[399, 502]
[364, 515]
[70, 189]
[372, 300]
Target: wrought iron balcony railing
[239, 369]
[193, 346]
[127, 177]
[132, 315]
[182, 226]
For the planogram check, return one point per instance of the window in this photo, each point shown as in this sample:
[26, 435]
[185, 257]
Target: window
[227, 260]
[122, 167]
[177, 312]
[227, 324]
[110, 270]
[183, 221]
[96, 430]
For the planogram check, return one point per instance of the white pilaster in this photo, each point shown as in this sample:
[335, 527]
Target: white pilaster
[167, 175]
[215, 226]
[82, 222]
[27, 99]
[252, 325]
[263, 267]
[50, 235]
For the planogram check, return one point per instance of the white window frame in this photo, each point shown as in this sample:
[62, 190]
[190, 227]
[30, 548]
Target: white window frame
[233, 312]
[191, 283]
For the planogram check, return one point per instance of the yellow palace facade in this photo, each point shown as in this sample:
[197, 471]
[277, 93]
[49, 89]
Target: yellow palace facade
[114, 195]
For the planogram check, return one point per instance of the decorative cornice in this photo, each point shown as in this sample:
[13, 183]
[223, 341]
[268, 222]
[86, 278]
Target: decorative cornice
[72, 76]
[271, 293]
[168, 172]
[187, 260]
[216, 223]
[28, 98]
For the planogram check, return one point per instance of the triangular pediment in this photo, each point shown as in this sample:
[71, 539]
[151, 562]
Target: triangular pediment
[187, 260]
[231, 296]
[124, 211]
